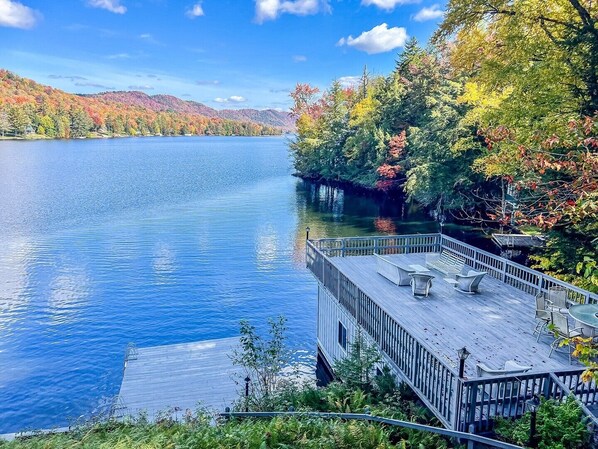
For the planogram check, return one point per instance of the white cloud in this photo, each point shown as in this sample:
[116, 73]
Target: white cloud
[387, 5]
[377, 40]
[208, 82]
[299, 58]
[142, 87]
[109, 5]
[231, 99]
[429, 13]
[150, 39]
[119, 56]
[349, 81]
[195, 11]
[16, 15]
[271, 9]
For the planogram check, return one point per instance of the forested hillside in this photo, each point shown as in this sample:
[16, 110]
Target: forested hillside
[28, 108]
[496, 120]
[170, 103]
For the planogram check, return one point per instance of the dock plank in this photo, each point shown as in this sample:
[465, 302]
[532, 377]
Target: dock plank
[182, 375]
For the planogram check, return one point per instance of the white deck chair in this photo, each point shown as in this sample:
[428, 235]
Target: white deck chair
[421, 283]
[543, 315]
[468, 283]
[563, 332]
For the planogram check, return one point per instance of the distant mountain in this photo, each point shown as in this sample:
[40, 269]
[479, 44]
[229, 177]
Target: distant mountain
[159, 103]
[32, 110]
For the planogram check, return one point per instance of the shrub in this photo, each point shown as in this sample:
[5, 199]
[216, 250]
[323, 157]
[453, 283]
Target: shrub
[560, 425]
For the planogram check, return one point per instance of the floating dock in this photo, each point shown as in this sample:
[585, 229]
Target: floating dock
[518, 240]
[178, 378]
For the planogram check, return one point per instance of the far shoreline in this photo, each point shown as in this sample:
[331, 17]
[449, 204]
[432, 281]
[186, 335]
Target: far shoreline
[38, 137]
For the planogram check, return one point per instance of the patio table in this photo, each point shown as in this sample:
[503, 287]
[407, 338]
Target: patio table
[586, 315]
[419, 268]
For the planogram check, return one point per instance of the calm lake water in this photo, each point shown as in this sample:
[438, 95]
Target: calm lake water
[152, 241]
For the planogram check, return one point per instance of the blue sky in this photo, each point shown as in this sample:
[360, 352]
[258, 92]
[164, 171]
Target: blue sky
[223, 53]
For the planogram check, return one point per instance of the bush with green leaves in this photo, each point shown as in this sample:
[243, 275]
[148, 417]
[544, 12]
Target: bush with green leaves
[358, 386]
[199, 434]
[560, 425]
[263, 361]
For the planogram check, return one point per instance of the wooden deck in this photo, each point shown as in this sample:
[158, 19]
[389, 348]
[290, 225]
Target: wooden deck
[184, 376]
[495, 325]
[419, 337]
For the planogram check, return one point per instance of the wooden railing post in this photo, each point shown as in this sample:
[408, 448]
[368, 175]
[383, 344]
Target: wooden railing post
[458, 404]
[547, 390]
[415, 364]
[540, 283]
[471, 444]
[382, 329]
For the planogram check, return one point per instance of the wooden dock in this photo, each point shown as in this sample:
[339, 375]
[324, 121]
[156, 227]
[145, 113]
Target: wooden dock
[177, 378]
[518, 241]
[419, 337]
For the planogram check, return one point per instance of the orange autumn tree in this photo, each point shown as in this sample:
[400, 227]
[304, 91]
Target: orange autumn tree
[552, 184]
[391, 167]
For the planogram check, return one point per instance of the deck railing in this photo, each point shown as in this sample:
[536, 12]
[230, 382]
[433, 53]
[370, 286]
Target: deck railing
[433, 380]
[484, 399]
[366, 246]
[457, 403]
[511, 273]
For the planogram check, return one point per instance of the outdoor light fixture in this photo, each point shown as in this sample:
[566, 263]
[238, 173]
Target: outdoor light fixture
[247, 380]
[307, 233]
[532, 405]
[463, 354]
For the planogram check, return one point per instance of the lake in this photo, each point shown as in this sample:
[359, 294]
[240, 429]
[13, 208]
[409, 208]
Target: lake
[152, 241]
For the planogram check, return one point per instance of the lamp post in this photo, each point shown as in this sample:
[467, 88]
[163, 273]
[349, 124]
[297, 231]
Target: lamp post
[247, 380]
[532, 405]
[307, 233]
[463, 354]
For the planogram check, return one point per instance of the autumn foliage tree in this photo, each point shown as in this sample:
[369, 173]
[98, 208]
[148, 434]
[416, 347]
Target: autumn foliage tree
[496, 122]
[57, 114]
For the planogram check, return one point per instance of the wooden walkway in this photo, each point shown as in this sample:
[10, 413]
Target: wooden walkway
[518, 241]
[495, 325]
[182, 376]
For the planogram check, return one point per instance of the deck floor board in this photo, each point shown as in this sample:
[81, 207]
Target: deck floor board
[495, 325]
[182, 375]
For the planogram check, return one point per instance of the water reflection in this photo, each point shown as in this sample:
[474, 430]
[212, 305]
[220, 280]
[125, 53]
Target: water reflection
[164, 261]
[15, 258]
[335, 212]
[69, 292]
[266, 248]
